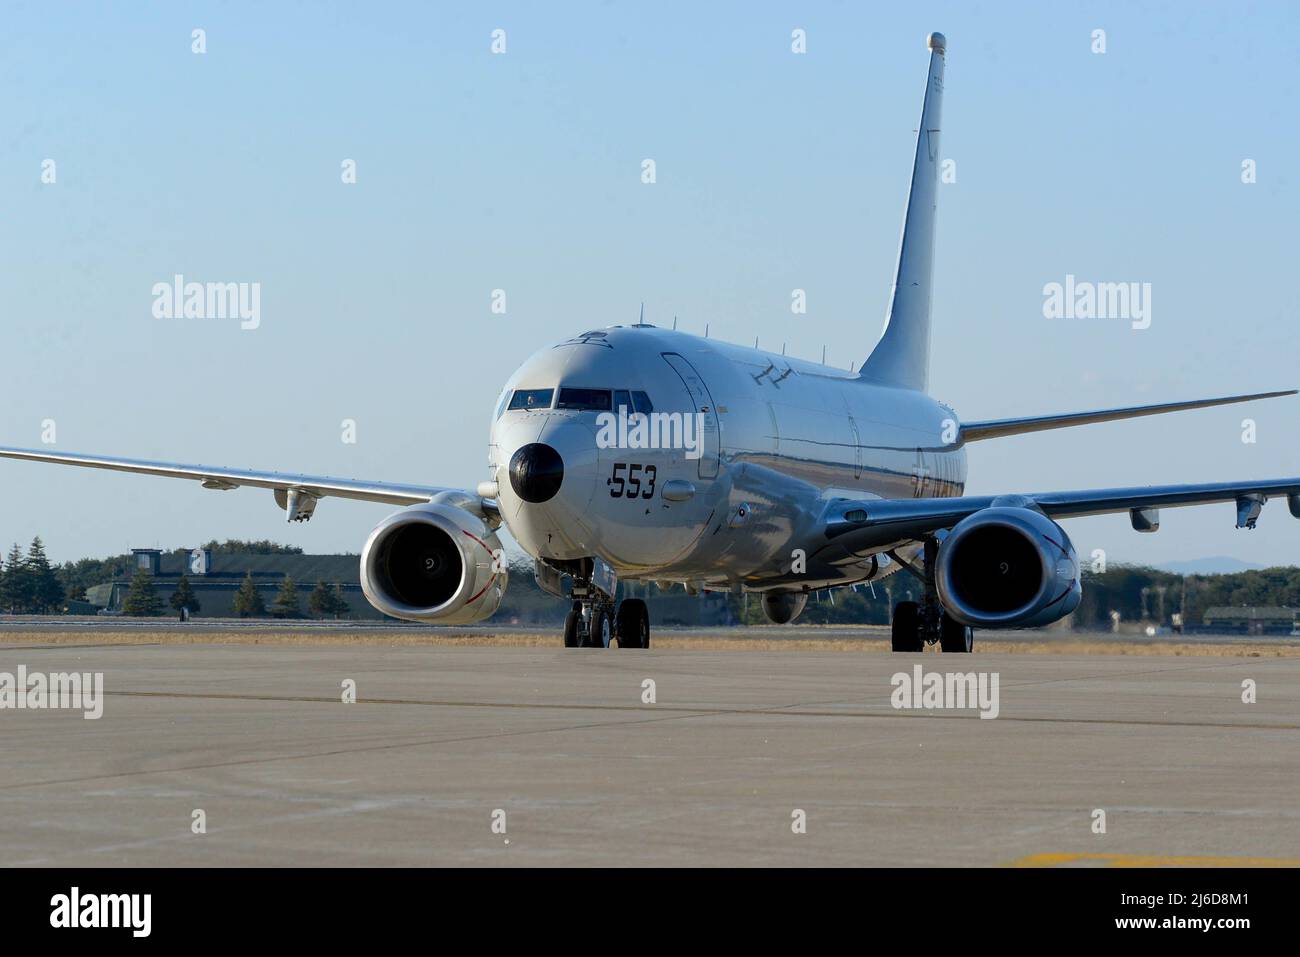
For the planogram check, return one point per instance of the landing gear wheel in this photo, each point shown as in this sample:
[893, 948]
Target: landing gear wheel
[572, 627]
[600, 628]
[633, 624]
[955, 637]
[905, 629]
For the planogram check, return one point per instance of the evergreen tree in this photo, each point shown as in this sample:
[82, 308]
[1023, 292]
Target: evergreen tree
[141, 599]
[264, 547]
[321, 601]
[46, 589]
[15, 583]
[184, 597]
[339, 604]
[286, 600]
[248, 600]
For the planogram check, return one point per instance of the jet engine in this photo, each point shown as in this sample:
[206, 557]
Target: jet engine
[783, 607]
[438, 562]
[1007, 567]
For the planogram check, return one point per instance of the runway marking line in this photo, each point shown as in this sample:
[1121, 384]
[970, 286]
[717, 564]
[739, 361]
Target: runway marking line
[704, 710]
[61, 647]
[1149, 860]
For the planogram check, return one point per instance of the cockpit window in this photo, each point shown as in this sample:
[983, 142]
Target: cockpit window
[623, 400]
[642, 403]
[584, 400]
[501, 405]
[531, 399]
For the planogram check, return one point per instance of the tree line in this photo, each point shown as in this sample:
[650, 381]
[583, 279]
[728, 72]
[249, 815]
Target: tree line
[29, 585]
[1134, 592]
[324, 601]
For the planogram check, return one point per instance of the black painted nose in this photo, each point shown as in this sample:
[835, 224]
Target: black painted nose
[536, 471]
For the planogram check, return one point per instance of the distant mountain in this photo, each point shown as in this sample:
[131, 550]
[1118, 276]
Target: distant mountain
[1216, 565]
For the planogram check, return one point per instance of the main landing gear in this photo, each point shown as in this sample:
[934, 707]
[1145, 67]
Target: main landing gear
[596, 622]
[917, 624]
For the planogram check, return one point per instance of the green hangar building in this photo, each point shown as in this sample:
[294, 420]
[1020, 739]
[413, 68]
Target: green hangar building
[215, 578]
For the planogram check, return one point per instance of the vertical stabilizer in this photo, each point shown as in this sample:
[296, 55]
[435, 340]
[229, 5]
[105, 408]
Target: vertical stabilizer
[902, 356]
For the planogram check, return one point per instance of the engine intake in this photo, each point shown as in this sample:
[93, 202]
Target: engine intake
[1008, 567]
[783, 607]
[434, 563]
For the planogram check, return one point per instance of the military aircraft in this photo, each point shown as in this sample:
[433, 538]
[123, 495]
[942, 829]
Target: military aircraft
[638, 453]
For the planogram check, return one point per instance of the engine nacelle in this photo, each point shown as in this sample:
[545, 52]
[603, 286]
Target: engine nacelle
[1008, 567]
[434, 563]
[783, 607]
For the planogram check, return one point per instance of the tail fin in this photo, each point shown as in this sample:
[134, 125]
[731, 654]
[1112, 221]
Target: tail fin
[902, 356]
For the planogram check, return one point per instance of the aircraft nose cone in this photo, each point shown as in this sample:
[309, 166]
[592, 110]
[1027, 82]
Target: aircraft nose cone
[536, 471]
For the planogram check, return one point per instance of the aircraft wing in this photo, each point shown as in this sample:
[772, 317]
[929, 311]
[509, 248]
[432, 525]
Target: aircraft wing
[996, 428]
[297, 494]
[860, 525]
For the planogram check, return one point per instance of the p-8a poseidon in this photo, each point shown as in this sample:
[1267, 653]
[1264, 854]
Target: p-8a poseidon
[642, 454]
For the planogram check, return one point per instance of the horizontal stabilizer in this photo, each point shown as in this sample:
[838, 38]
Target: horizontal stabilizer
[996, 428]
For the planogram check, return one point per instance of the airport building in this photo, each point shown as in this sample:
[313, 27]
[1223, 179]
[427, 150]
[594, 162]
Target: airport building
[215, 578]
[1253, 619]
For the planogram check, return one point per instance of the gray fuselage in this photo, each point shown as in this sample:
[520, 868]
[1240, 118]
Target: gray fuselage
[780, 439]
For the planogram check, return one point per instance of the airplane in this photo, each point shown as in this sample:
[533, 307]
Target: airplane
[636, 453]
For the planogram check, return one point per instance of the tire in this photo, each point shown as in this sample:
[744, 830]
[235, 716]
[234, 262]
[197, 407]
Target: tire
[602, 628]
[633, 624]
[954, 637]
[905, 629]
[572, 621]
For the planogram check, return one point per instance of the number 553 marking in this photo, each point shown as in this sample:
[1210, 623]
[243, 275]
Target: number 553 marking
[630, 485]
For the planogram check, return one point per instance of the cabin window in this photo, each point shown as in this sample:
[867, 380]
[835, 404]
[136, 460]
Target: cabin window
[584, 400]
[525, 399]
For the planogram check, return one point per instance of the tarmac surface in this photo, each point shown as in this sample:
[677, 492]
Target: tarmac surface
[111, 625]
[442, 740]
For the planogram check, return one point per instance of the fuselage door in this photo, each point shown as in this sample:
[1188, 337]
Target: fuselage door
[702, 402]
[857, 448]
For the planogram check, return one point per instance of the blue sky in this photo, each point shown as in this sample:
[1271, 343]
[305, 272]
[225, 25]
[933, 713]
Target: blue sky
[521, 171]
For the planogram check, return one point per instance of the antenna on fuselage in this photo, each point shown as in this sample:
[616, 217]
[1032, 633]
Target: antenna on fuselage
[674, 323]
[783, 348]
[641, 318]
[706, 330]
[823, 355]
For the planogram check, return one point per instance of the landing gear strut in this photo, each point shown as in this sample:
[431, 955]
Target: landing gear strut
[917, 624]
